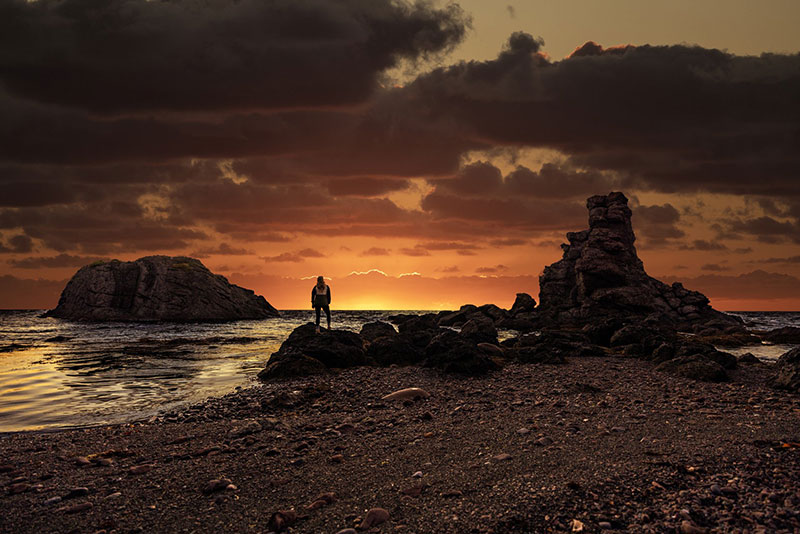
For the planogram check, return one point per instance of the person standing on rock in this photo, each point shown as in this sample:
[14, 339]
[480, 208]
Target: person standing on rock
[321, 300]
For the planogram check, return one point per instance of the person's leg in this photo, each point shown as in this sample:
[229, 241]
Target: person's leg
[328, 315]
[317, 310]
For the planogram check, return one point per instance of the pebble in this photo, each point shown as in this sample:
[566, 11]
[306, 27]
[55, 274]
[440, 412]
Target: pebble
[374, 517]
[19, 487]
[418, 474]
[82, 460]
[413, 491]
[407, 394]
[347, 531]
[141, 469]
[604, 525]
[687, 527]
[324, 499]
[282, 519]
[52, 500]
[216, 484]
[523, 431]
[502, 457]
[77, 492]
[76, 508]
[337, 458]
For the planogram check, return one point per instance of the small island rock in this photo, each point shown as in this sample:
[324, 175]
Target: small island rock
[156, 288]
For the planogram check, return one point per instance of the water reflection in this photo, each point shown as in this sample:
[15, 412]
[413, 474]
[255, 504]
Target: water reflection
[60, 373]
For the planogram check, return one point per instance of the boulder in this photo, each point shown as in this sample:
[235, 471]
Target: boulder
[453, 353]
[524, 303]
[493, 312]
[787, 334]
[601, 276]
[748, 358]
[787, 371]
[372, 331]
[553, 346]
[689, 347]
[334, 348]
[290, 364]
[456, 318]
[156, 288]
[696, 367]
[480, 329]
[418, 323]
[399, 349]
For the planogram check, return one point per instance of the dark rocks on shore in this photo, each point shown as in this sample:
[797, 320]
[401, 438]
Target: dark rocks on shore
[480, 329]
[307, 352]
[787, 334]
[156, 288]
[453, 353]
[399, 349]
[291, 363]
[787, 371]
[600, 275]
[372, 331]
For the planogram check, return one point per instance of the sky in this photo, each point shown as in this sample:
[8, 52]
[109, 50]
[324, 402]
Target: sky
[420, 156]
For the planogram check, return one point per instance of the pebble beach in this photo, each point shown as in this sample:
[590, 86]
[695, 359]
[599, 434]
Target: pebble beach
[593, 445]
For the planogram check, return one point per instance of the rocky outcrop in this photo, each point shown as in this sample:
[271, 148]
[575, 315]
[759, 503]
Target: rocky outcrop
[787, 334]
[156, 288]
[454, 353]
[787, 371]
[601, 276]
[374, 330]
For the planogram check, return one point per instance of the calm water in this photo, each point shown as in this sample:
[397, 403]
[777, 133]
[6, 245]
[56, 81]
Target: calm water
[60, 373]
[56, 373]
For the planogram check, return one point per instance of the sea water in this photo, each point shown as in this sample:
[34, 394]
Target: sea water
[56, 373]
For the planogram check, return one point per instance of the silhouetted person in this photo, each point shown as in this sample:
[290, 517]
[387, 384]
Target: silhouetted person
[321, 299]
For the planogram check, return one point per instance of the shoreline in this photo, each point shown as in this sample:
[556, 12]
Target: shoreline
[499, 453]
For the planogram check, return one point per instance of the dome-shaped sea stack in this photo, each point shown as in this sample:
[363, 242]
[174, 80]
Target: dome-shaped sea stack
[156, 288]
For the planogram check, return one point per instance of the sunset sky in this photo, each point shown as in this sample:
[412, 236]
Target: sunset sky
[420, 156]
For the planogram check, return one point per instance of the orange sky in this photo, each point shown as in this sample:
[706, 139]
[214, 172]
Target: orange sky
[447, 162]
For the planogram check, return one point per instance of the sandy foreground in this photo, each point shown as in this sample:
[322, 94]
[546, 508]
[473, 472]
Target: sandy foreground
[593, 445]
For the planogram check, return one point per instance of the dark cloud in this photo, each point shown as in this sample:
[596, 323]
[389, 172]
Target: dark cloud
[294, 257]
[509, 242]
[787, 260]
[657, 224]
[766, 229]
[58, 261]
[702, 244]
[478, 178]
[376, 251]
[416, 251]
[714, 267]
[136, 55]
[666, 118]
[18, 244]
[224, 249]
[491, 270]
[365, 186]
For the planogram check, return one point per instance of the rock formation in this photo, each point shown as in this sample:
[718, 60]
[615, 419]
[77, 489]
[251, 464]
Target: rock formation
[601, 276]
[156, 288]
[787, 371]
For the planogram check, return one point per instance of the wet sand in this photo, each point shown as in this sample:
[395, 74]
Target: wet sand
[593, 445]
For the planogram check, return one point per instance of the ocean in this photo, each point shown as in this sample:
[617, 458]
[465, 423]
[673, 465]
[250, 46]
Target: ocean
[56, 373]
